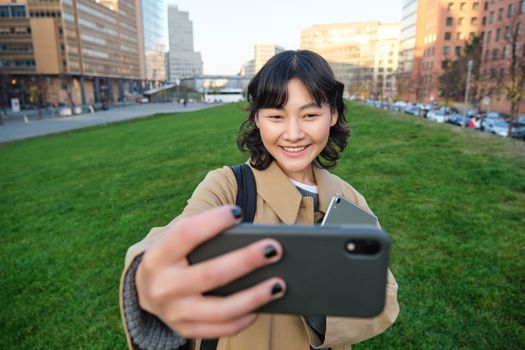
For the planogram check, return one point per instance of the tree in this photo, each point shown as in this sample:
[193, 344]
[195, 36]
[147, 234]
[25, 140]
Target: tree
[452, 82]
[514, 82]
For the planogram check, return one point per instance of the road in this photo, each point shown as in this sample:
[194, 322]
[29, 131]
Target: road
[16, 128]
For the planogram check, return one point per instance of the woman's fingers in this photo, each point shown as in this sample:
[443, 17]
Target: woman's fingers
[221, 270]
[186, 234]
[177, 282]
[234, 306]
[209, 330]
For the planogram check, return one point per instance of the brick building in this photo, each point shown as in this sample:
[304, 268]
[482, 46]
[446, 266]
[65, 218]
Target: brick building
[503, 29]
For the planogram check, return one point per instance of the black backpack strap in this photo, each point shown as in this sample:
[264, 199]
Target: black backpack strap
[209, 344]
[246, 191]
[246, 200]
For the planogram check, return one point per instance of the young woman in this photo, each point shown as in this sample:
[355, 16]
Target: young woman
[295, 130]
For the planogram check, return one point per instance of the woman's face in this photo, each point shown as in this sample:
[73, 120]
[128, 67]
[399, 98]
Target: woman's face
[297, 133]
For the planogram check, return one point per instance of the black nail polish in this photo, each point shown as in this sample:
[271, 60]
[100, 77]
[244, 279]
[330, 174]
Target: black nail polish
[270, 251]
[237, 212]
[276, 289]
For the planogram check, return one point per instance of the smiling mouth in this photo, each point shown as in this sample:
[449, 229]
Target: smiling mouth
[296, 149]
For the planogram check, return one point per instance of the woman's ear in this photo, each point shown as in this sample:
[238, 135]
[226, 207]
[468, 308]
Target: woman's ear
[333, 117]
[256, 119]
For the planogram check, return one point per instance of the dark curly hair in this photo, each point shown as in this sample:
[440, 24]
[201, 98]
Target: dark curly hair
[268, 89]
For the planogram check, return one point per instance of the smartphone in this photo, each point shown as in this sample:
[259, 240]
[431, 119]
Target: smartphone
[331, 270]
[342, 211]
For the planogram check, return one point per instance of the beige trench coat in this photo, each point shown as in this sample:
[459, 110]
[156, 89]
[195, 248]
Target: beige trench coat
[278, 202]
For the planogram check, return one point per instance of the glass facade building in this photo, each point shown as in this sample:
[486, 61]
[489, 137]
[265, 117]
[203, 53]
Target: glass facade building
[154, 25]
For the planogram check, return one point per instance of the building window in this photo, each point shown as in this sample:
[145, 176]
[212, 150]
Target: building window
[518, 28]
[460, 20]
[447, 35]
[491, 17]
[12, 11]
[459, 36]
[444, 64]
[463, 5]
[471, 35]
[487, 54]
[4, 11]
[510, 11]
[474, 20]
[475, 5]
[495, 54]
[500, 14]
[522, 6]
[504, 52]
[450, 6]
[496, 38]
[449, 21]
[507, 32]
[446, 50]
[458, 50]
[486, 5]
[489, 36]
[484, 21]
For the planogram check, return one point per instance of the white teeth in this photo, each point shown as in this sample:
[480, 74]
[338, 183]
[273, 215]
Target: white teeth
[294, 149]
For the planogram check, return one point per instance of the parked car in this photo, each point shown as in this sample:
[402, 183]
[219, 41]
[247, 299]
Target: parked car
[518, 132]
[65, 111]
[142, 99]
[77, 110]
[458, 119]
[437, 116]
[497, 115]
[498, 127]
[472, 113]
[520, 121]
[412, 110]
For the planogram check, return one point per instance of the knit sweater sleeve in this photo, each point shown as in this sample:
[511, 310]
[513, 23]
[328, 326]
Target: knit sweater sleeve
[146, 330]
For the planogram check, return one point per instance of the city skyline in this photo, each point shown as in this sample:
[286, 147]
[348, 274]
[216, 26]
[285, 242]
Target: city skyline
[219, 34]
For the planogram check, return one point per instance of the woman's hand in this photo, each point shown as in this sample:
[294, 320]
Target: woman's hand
[173, 290]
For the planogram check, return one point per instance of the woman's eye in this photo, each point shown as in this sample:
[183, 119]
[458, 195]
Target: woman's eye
[310, 116]
[275, 117]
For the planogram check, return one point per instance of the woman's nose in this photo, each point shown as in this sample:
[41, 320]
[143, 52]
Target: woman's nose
[294, 130]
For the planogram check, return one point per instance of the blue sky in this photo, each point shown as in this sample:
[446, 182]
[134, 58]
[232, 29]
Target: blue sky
[225, 31]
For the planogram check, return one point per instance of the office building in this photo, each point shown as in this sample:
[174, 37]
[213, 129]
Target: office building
[264, 50]
[503, 22]
[155, 37]
[248, 69]
[183, 61]
[448, 26]
[363, 55]
[409, 85]
[69, 52]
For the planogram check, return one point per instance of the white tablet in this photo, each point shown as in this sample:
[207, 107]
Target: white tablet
[342, 211]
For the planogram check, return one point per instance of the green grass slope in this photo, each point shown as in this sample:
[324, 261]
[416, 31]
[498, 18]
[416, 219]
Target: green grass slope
[452, 199]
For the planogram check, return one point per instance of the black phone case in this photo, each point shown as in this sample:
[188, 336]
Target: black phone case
[322, 276]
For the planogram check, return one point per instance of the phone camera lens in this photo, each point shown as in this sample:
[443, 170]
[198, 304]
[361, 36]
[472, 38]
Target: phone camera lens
[363, 247]
[338, 200]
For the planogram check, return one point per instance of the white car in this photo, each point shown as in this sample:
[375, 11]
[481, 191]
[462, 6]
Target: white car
[437, 116]
[498, 127]
[65, 111]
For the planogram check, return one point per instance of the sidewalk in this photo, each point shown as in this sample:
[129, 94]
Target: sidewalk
[17, 129]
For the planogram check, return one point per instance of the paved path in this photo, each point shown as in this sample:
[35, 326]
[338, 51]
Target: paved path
[16, 128]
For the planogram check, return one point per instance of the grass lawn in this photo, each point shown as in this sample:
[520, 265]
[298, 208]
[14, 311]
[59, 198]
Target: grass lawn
[452, 199]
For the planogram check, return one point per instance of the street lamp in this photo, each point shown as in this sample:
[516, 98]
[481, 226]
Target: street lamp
[467, 88]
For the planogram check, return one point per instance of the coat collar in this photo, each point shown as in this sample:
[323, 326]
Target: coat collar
[281, 195]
